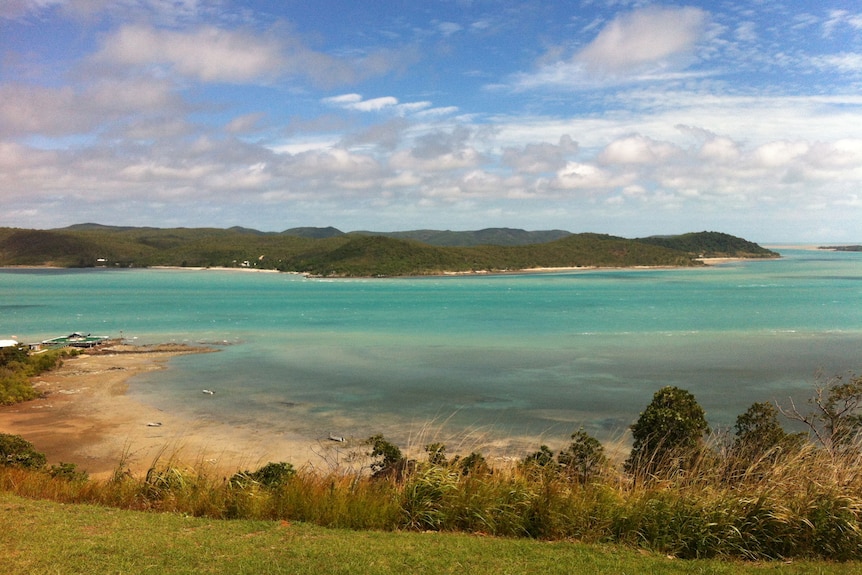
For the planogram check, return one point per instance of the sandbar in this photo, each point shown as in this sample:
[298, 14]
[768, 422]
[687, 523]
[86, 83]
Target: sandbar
[85, 417]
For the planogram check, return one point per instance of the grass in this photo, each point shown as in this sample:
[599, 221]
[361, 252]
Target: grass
[806, 505]
[42, 537]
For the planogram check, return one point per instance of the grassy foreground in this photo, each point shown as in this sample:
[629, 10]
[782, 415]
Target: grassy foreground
[39, 537]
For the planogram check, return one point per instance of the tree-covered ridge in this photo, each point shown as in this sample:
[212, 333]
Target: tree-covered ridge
[328, 252]
[711, 245]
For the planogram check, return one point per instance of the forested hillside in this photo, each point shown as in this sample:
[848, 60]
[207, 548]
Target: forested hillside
[330, 252]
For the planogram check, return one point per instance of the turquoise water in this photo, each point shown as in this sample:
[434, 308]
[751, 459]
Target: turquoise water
[501, 356]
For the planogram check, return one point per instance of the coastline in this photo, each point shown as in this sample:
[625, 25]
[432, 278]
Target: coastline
[85, 417]
[707, 262]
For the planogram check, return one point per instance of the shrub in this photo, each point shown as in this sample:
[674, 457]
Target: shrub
[15, 451]
[668, 435]
[583, 458]
[388, 460]
[272, 475]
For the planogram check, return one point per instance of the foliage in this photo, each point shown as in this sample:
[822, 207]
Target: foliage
[388, 460]
[805, 503]
[17, 365]
[836, 417]
[271, 476]
[15, 451]
[47, 537]
[328, 252]
[473, 464]
[584, 458]
[543, 458]
[758, 434]
[668, 435]
[711, 244]
[67, 471]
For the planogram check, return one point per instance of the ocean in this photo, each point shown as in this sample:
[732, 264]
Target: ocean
[486, 360]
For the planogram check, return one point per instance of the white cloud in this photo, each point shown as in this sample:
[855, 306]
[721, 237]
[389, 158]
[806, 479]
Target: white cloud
[208, 53]
[637, 149]
[357, 103]
[29, 109]
[582, 176]
[848, 62]
[652, 37]
[721, 150]
[652, 44]
[777, 154]
[540, 157]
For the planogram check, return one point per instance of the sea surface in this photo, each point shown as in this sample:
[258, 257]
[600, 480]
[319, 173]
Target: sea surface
[501, 360]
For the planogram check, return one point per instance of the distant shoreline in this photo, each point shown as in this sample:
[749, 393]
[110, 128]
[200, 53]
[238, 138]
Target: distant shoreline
[709, 261]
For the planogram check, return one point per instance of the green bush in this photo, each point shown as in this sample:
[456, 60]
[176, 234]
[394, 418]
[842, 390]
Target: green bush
[668, 435]
[272, 475]
[15, 451]
[17, 365]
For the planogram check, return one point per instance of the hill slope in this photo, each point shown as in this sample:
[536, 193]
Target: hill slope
[329, 252]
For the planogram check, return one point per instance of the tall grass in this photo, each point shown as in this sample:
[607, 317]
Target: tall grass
[801, 504]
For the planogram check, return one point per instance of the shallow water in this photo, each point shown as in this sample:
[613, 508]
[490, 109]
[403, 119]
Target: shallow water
[501, 356]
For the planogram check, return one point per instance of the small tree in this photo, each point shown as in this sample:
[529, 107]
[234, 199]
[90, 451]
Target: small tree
[542, 458]
[668, 435]
[757, 432]
[388, 460]
[436, 454]
[759, 441]
[583, 458]
[836, 420]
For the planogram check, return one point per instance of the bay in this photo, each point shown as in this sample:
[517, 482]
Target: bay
[496, 361]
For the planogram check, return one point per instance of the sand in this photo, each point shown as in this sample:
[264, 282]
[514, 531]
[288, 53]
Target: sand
[86, 418]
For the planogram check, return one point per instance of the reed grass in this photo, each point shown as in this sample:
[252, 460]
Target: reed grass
[804, 504]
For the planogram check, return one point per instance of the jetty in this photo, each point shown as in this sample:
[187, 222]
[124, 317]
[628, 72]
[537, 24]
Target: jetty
[75, 339]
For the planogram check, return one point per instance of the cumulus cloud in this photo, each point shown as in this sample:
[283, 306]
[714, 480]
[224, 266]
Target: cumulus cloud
[637, 149]
[437, 151]
[540, 157]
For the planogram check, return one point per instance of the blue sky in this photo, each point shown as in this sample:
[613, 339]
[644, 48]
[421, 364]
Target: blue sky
[626, 117]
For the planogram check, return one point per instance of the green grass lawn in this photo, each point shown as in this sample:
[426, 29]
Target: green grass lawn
[41, 537]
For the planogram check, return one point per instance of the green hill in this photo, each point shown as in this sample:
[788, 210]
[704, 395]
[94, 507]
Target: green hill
[711, 245]
[330, 252]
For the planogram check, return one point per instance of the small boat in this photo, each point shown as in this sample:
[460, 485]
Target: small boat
[208, 392]
[338, 438]
[154, 424]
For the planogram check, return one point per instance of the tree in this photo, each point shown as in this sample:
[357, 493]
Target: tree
[668, 435]
[757, 432]
[759, 441]
[584, 457]
[388, 458]
[836, 420]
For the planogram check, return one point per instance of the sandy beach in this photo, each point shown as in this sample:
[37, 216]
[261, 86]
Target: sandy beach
[86, 418]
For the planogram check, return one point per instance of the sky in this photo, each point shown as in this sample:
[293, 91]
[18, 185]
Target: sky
[625, 117]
